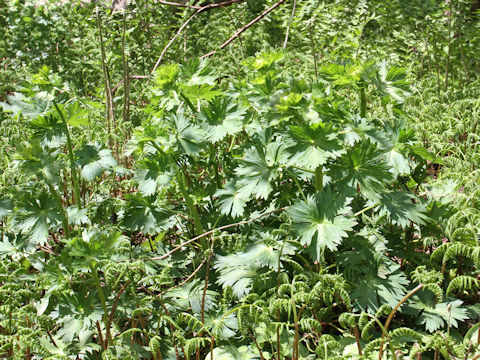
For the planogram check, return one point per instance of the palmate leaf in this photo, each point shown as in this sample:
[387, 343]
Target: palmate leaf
[78, 313]
[36, 216]
[6, 206]
[73, 114]
[93, 246]
[392, 82]
[313, 147]
[321, 221]
[231, 201]
[401, 209]
[190, 295]
[153, 175]
[94, 162]
[364, 166]
[223, 117]
[258, 168]
[229, 352]
[221, 325]
[50, 130]
[77, 216]
[142, 215]
[342, 75]
[239, 270]
[188, 136]
[31, 108]
[38, 161]
[435, 316]
[399, 147]
[375, 279]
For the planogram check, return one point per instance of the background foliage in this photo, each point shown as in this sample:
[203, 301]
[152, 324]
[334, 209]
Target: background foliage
[309, 191]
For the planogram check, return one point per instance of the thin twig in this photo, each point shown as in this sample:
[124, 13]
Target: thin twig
[179, 4]
[198, 11]
[256, 344]
[115, 303]
[290, 24]
[100, 336]
[116, 87]
[213, 230]
[202, 309]
[244, 28]
[106, 77]
[186, 280]
[390, 317]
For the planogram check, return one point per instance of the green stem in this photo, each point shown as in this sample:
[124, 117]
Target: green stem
[297, 183]
[188, 201]
[363, 102]
[319, 178]
[365, 210]
[103, 301]
[76, 187]
[66, 229]
[215, 167]
[295, 319]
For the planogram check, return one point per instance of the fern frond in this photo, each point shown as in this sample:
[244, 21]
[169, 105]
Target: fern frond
[437, 291]
[372, 346]
[347, 320]
[383, 310]
[439, 252]
[405, 333]
[191, 345]
[463, 283]
[310, 324]
[457, 250]
[370, 326]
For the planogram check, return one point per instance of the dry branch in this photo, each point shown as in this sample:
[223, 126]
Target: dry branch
[217, 229]
[198, 11]
[244, 28]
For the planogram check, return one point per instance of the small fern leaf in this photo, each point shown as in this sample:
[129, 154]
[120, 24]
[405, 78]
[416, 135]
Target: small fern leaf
[463, 284]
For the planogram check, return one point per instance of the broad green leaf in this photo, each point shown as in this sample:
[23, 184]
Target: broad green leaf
[141, 215]
[229, 352]
[231, 201]
[31, 108]
[258, 168]
[6, 206]
[392, 82]
[375, 279]
[224, 117]
[94, 245]
[190, 295]
[40, 162]
[313, 147]
[321, 221]
[364, 166]
[153, 175]
[239, 270]
[166, 74]
[94, 162]
[401, 209]
[77, 216]
[435, 316]
[36, 216]
[189, 137]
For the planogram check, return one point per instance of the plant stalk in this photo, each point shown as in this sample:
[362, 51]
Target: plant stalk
[392, 314]
[76, 186]
[190, 205]
[319, 178]
[363, 102]
[103, 301]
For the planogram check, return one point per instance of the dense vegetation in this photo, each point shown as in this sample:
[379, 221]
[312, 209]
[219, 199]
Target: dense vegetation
[240, 180]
